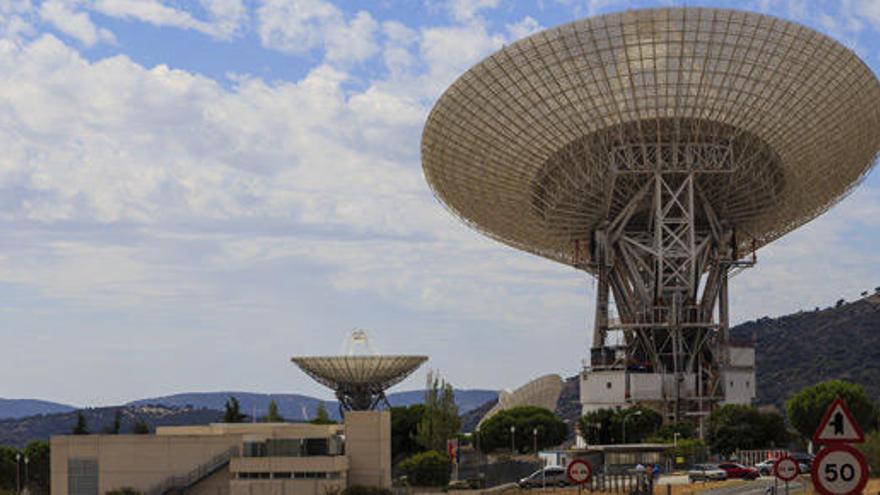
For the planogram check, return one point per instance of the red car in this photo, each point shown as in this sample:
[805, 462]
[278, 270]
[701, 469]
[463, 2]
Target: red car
[735, 470]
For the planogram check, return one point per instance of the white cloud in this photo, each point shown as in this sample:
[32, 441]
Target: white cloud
[449, 51]
[300, 26]
[466, 10]
[226, 15]
[526, 26]
[75, 24]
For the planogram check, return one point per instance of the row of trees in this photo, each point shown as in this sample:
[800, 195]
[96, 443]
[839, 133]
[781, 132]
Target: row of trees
[232, 413]
[34, 475]
[81, 427]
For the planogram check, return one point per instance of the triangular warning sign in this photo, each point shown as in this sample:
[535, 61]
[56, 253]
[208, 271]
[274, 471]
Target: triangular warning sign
[838, 425]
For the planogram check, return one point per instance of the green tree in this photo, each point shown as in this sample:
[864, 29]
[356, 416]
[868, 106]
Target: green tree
[495, 431]
[440, 421]
[322, 417]
[233, 411]
[272, 416]
[80, 428]
[117, 423]
[37, 453]
[429, 468]
[140, 428]
[734, 426]
[667, 433]
[806, 408]
[404, 428]
[607, 426]
[7, 468]
[871, 449]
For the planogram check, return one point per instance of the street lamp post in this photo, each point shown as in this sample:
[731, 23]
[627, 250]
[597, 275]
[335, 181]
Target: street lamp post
[535, 449]
[513, 439]
[26, 461]
[17, 473]
[626, 417]
[535, 440]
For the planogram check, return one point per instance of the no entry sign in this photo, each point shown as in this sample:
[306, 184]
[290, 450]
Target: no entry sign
[839, 470]
[786, 469]
[579, 471]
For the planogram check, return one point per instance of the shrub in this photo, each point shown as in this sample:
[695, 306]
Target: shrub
[125, 490]
[365, 490]
[429, 468]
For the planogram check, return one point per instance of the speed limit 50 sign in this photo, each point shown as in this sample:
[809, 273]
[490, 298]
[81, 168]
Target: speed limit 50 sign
[839, 470]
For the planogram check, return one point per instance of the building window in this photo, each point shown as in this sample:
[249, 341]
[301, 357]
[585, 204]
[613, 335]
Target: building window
[254, 449]
[607, 384]
[748, 384]
[82, 476]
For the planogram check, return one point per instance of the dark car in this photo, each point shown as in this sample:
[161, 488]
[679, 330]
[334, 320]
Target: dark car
[804, 460]
[738, 471]
[549, 476]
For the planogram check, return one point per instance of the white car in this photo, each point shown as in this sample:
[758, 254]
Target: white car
[706, 472]
[549, 476]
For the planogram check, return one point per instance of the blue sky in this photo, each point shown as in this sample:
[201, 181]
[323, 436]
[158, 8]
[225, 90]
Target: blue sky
[193, 191]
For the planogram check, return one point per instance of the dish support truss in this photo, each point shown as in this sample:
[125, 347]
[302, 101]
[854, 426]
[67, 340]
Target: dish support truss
[360, 397]
[665, 257]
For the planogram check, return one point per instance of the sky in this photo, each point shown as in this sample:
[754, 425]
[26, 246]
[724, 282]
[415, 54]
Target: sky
[193, 191]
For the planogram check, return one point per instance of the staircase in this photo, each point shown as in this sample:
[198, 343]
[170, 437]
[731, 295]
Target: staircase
[180, 484]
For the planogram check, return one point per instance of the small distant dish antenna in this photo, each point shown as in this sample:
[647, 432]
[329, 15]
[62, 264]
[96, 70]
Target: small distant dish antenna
[358, 338]
[359, 381]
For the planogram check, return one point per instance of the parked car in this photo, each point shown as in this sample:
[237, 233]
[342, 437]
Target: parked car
[739, 471]
[549, 476]
[706, 472]
[765, 468]
[804, 460]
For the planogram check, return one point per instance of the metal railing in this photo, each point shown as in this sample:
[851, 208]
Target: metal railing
[179, 483]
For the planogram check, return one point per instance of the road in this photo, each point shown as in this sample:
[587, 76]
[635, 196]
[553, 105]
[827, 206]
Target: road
[757, 487]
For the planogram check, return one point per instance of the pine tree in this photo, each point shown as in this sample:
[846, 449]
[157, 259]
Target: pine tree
[117, 423]
[141, 428]
[233, 411]
[80, 427]
[440, 421]
[272, 416]
[322, 417]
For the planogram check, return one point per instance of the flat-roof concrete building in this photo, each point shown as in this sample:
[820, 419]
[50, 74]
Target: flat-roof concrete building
[229, 458]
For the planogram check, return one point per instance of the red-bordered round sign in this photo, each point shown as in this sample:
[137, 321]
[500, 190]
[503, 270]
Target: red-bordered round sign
[579, 471]
[839, 470]
[786, 468]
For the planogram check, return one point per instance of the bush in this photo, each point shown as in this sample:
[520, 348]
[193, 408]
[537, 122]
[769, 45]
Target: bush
[871, 449]
[734, 426]
[429, 468]
[126, 490]
[607, 426]
[365, 490]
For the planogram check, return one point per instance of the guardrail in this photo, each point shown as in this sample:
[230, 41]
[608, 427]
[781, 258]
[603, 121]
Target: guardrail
[182, 482]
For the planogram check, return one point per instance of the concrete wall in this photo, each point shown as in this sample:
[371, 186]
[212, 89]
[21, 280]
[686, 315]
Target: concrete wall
[285, 487]
[216, 484]
[739, 386]
[742, 357]
[368, 447]
[136, 461]
[602, 390]
[646, 386]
